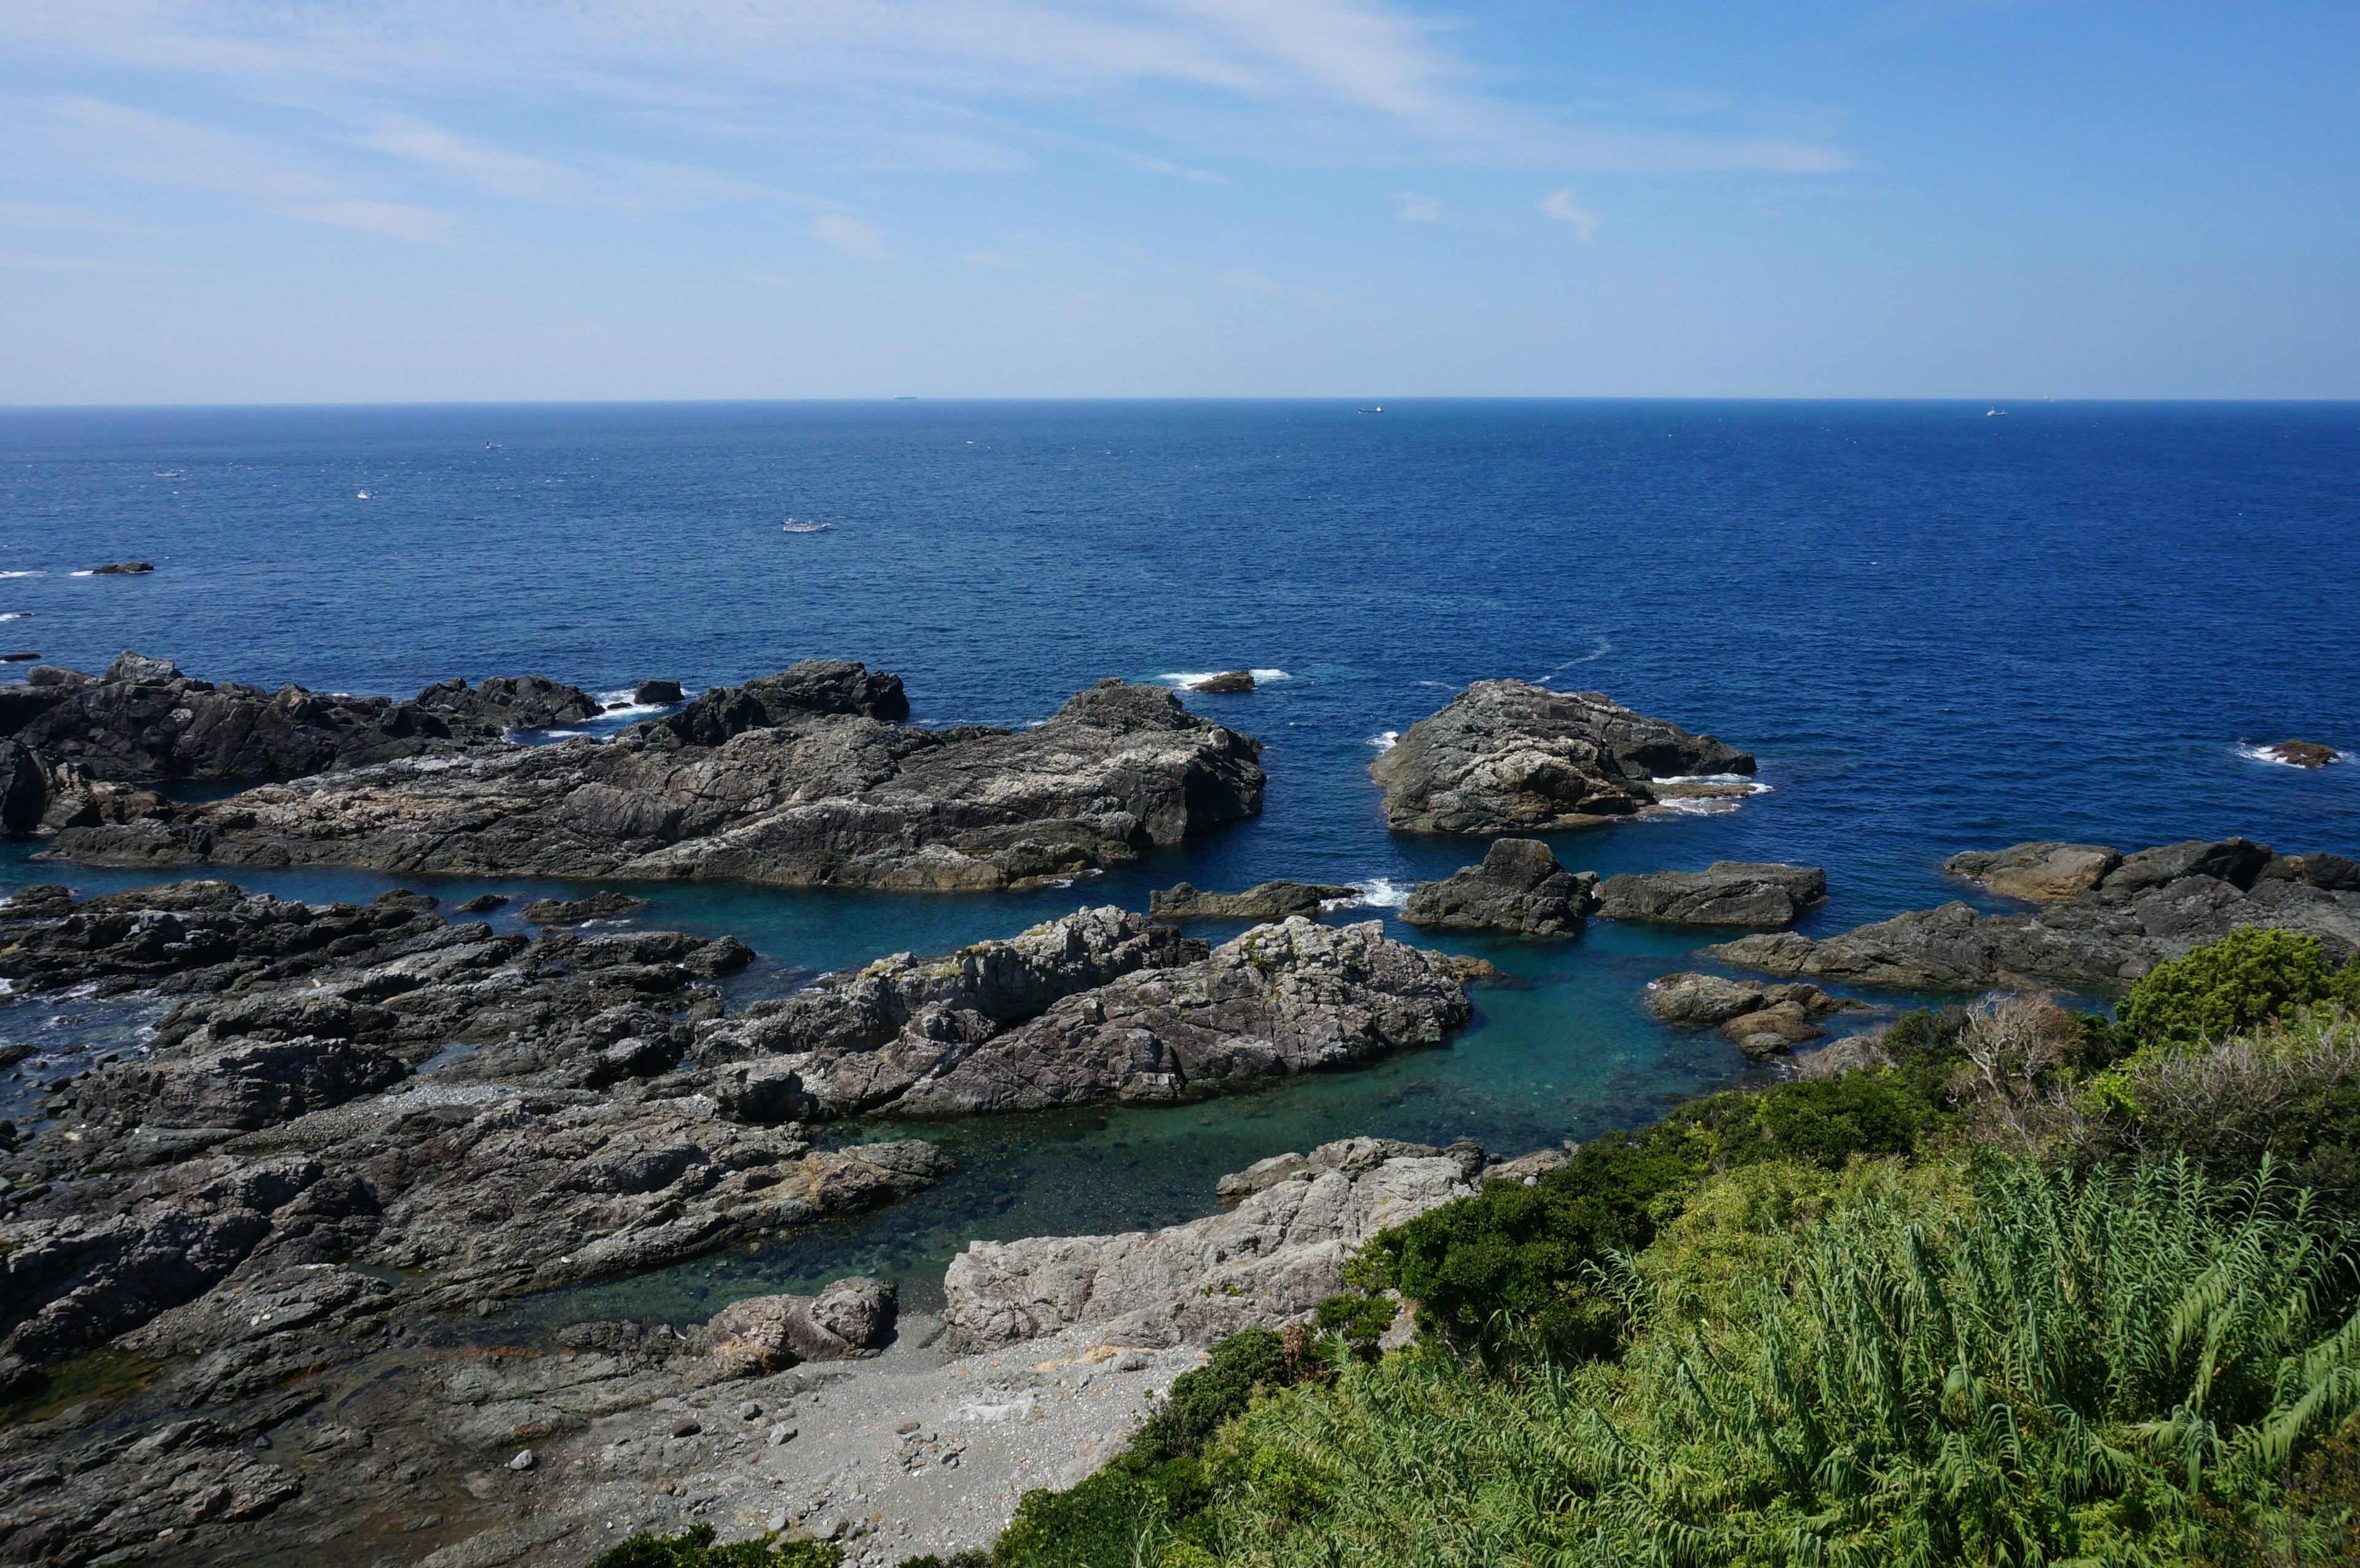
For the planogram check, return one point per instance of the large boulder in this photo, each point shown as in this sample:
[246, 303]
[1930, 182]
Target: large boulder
[1262, 902]
[1276, 1256]
[2154, 906]
[1760, 1020]
[1508, 757]
[763, 1334]
[1518, 887]
[2037, 872]
[1727, 893]
[813, 797]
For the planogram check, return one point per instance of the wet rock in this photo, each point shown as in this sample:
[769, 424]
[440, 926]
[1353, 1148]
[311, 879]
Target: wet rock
[649, 692]
[1263, 901]
[123, 569]
[1275, 1256]
[1508, 757]
[2303, 753]
[1519, 887]
[1727, 893]
[753, 788]
[2038, 872]
[599, 906]
[1762, 1020]
[2154, 906]
[1229, 682]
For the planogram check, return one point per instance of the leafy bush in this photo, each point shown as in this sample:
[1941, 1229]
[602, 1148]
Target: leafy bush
[1357, 1319]
[955, 1559]
[1242, 1365]
[695, 1549]
[2252, 974]
[1096, 1525]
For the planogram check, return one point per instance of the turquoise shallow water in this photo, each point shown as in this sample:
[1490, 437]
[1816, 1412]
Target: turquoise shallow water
[1936, 631]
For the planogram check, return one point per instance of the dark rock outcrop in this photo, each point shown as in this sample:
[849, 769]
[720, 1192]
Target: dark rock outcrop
[1262, 902]
[1508, 757]
[1761, 1020]
[2037, 872]
[600, 906]
[123, 569]
[2152, 905]
[1099, 1006]
[144, 721]
[1227, 684]
[2303, 753]
[1518, 887]
[813, 797]
[651, 693]
[1727, 893]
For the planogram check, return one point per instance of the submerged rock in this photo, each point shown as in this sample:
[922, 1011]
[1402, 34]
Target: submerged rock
[1727, 893]
[1263, 901]
[1760, 1020]
[2150, 907]
[1518, 887]
[744, 784]
[599, 906]
[1508, 757]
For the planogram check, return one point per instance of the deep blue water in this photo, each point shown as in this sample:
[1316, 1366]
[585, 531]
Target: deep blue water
[1936, 630]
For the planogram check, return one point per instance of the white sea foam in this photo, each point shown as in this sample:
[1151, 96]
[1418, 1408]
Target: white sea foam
[1598, 651]
[17, 615]
[81, 573]
[36, 574]
[1376, 893]
[2264, 754]
[1385, 740]
[1183, 679]
[630, 709]
[1712, 805]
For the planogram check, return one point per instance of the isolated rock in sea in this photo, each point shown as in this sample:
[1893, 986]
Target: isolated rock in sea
[123, 569]
[786, 796]
[1508, 757]
[1099, 1006]
[1263, 901]
[19, 658]
[1228, 682]
[1518, 887]
[648, 693]
[1276, 1256]
[600, 906]
[143, 720]
[2154, 906]
[1760, 1020]
[2037, 872]
[2303, 753]
[1727, 893]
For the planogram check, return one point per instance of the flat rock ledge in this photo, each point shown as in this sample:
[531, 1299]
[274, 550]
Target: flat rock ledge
[1762, 1020]
[1262, 902]
[800, 780]
[1518, 887]
[1508, 757]
[2106, 919]
[1275, 1256]
[1727, 893]
[1101, 1005]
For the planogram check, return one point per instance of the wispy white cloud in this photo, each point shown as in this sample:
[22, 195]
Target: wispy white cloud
[391, 219]
[1561, 205]
[1416, 209]
[849, 235]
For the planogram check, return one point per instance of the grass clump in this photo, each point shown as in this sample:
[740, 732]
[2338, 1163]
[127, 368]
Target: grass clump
[694, 1547]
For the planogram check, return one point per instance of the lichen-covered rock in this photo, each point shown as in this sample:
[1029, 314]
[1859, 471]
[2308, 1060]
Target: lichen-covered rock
[1508, 757]
[1727, 893]
[1518, 887]
[1262, 902]
[1277, 1255]
[2155, 905]
[828, 796]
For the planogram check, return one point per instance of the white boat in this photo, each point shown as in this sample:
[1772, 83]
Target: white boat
[1995, 413]
[361, 496]
[793, 527]
[1378, 410]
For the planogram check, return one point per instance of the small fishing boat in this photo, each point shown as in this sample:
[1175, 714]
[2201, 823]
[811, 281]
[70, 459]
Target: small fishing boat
[361, 496]
[1995, 413]
[1378, 410]
[793, 527]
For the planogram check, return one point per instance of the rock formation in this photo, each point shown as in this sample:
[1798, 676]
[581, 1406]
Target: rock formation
[1727, 893]
[2140, 910]
[143, 720]
[123, 569]
[1508, 757]
[1760, 1020]
[1099, 1006]
[2303, 753]
[1227, 684]
[1518, 887]
[1263, 901]
[796, 780]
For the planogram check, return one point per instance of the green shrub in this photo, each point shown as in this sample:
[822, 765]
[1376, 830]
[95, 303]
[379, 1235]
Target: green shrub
[1242, 1365]
[2252, 975]
[1823, 1120]
[1096, 1525]
[955, 1559]
[1357, 1319]
[695, 1549]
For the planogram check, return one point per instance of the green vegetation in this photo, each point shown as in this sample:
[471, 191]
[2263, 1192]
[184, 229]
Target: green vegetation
[2252, 975]
[695, 1549]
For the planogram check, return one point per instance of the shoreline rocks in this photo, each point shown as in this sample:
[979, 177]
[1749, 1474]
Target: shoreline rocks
[1508, 757]
[1761, 1020]
[2141, 910]
[1262, 902]
[1727, 893]
[746, 783]
[1518, 887]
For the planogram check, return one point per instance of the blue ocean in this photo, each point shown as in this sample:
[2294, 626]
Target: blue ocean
[1937, 626]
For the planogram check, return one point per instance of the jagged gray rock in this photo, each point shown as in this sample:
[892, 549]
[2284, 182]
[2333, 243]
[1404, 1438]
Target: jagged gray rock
[1518, 887]
[762, 1334]
[1277, 1255]
[1262, 902]
[1760, 1020]
[816, 797]
[1727, 893]
[2037, 872]
[2154, 906]
[1099, 1006]
[1508, 757]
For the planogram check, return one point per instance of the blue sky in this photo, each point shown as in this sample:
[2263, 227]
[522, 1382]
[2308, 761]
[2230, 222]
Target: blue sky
[226, 201]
